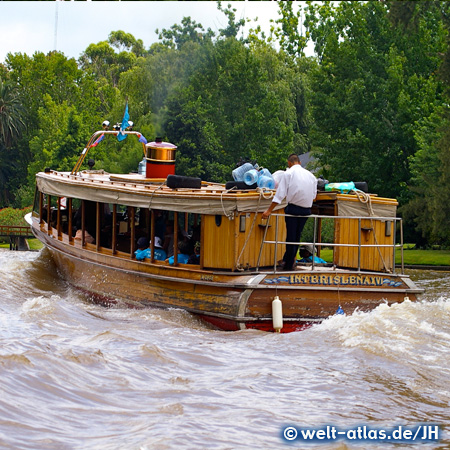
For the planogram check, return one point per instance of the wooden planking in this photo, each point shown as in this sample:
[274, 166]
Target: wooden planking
[218, 242]
[254, 237]
[138, 291]
[319, 304]
[226, 247]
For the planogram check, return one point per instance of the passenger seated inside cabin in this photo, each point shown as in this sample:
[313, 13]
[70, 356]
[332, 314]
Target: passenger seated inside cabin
[160, 224]
[306, 252]
[87, 237]
[144, 250]
[90, 218]
[195, 257]
[193, 240]
[170, 236]
[183, 257]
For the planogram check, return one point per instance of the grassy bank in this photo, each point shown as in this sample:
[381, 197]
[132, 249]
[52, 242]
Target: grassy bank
[34, 244]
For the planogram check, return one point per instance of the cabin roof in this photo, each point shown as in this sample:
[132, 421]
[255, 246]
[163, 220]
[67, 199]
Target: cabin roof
[211, 198]
[136, 190]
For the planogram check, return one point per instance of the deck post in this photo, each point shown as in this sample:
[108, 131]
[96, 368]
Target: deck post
[114, 230]
[49, 215]
[83, 227]
[132, 231]
[148, 219]
[175, 238]
[69, 226]
[41, 208]
[58, 218]
[152, 235]
[97, 225]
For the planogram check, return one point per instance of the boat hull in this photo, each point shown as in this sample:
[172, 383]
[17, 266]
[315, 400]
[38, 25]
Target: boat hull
[229, 301]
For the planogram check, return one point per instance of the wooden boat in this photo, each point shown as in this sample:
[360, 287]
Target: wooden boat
[90, 221]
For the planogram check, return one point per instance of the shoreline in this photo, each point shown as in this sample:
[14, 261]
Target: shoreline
[424, 267]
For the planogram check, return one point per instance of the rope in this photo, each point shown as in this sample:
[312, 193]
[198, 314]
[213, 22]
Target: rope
[269, 191]
[153, 193]
[365, 198]
[261, 195]
[231, 214]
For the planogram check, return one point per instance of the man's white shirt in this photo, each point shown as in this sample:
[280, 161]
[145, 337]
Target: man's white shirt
[298, 186]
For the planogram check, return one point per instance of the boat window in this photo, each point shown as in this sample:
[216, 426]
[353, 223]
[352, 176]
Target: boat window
[164, 222]
[36, 201]
[52, 208]
[124, 217]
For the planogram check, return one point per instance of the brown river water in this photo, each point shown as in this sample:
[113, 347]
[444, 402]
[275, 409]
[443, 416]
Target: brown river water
[79, 376]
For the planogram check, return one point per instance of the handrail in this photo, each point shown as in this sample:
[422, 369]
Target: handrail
[14, 230]
[92, 140]
[315, 244]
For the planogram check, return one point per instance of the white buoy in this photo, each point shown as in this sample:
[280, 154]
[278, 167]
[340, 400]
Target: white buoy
[277, 314]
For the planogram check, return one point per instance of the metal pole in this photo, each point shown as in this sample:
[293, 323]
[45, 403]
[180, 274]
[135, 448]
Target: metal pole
[393, 248]
[401, 242]
[359, 244]
[314, 242]
[262, 244]
[276, 245]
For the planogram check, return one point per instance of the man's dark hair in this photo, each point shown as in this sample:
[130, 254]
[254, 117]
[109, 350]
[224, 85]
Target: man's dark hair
[293, 158]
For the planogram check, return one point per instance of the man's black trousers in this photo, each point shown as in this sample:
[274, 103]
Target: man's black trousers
[294, 228]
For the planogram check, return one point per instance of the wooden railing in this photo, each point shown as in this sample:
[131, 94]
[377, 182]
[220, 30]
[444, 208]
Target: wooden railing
[6, 230]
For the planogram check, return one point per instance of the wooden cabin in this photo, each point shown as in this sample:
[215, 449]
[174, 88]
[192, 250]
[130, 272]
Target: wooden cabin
[233, 236]
[361, 242]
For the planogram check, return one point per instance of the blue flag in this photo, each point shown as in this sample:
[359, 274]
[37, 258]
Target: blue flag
[121, 136]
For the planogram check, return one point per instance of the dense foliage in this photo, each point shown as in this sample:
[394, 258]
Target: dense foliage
[372, 104]
[14, 216]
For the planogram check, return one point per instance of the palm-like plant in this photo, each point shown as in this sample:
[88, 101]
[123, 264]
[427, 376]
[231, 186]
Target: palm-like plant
[11, 127]
[11, 114]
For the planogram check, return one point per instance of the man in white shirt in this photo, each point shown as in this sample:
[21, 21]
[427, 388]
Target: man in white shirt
[299, 187]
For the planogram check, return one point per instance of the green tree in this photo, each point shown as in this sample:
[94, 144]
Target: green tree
[428, 207]
[60, 139]
[233, 27]
[373, 85]
[289, 33]
[180, 34]
[237, 102]
[11, 114]
[41, 74]
[50, 81]
[105, 63]
[126, 41]
[11, 127]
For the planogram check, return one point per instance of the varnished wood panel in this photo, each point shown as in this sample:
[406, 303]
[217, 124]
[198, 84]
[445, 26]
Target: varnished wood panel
[319, 304]
[236, 243]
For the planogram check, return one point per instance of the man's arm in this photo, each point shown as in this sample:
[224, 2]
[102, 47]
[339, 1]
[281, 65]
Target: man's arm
[268, 212]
